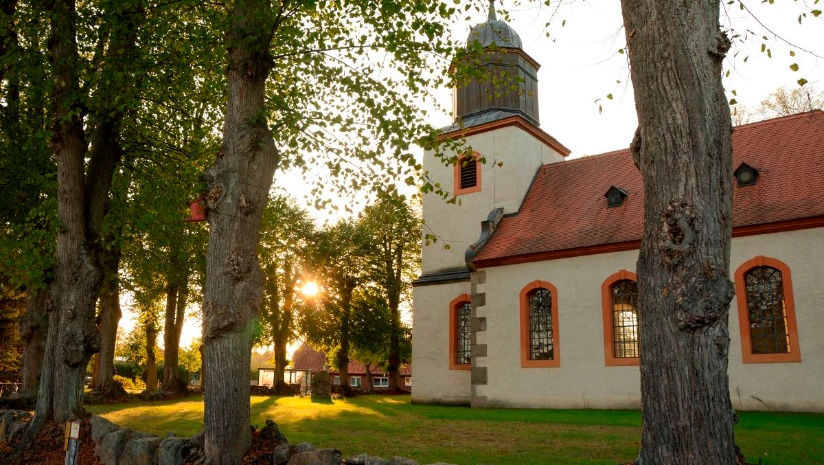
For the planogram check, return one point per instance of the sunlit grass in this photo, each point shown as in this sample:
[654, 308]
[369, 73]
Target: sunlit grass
[389, 425]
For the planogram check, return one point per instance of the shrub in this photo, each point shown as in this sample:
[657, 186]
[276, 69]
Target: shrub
[127, 369]
[129, 384]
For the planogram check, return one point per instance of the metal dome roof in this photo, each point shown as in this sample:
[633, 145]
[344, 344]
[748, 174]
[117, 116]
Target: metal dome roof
[494, 32]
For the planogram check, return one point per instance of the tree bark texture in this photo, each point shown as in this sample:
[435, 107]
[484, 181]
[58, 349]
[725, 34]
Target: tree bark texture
[395, 334]
[72, 335]
[683, 149]
[151, 360]
[282, 324]
[172, 329]
[238, 186]
[82, 198]
[109, 314]
[345, 334]
[393, 263]
[33, 328]
[281, 316]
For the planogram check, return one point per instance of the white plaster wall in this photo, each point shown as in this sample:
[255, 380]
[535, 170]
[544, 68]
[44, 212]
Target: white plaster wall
[784, 386]
[583, 381]
[434, 382]
[459, 224]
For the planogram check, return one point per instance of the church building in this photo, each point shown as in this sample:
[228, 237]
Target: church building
[533, 304]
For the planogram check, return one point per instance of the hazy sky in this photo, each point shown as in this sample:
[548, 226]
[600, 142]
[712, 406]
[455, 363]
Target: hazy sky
[580, 63]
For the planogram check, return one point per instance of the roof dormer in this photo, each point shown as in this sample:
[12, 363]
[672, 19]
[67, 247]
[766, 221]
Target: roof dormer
[745, 175]
[615, 196]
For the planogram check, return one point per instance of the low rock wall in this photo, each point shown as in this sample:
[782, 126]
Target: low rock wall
[114, 445]
[122, 446]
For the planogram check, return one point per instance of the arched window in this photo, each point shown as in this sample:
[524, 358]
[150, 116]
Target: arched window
[460, 332]
[766, 312]
[619, 297]
[539, 326]
[467, 174]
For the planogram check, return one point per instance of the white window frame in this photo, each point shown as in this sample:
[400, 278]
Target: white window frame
[407, 381]
[353, 379]
[336, 381]
[384, 381]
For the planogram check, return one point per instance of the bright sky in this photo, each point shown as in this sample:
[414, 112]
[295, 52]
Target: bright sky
[580, 66]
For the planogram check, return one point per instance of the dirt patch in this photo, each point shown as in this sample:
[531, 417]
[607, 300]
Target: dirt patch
[47, 449]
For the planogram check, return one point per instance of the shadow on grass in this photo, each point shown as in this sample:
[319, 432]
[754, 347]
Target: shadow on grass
[268, 401]
[322, 400]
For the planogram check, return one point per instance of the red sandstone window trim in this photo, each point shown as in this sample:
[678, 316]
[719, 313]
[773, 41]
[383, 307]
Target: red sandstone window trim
[457, 174]
[454, 305]
[610, 359]
[556, 334]
[744, 318]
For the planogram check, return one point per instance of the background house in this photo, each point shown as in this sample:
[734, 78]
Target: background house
[360, 375]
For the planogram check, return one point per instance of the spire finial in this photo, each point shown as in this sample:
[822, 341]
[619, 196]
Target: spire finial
[492, 16]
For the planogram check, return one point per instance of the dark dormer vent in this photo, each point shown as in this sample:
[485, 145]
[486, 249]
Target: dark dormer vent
[615, 196]
[745, 175]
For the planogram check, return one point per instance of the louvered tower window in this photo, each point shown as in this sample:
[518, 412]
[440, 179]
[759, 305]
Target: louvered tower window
[469, 173]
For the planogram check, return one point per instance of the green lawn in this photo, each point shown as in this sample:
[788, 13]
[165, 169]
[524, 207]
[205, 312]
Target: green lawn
[390, 425]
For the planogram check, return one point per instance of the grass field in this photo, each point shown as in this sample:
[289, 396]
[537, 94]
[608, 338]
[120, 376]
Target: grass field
[389, 425]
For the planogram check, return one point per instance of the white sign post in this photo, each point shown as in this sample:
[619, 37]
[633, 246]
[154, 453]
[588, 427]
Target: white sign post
[72, 445]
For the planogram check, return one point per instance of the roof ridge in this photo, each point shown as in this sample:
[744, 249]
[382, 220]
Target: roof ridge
[588, 157]
[779, 118]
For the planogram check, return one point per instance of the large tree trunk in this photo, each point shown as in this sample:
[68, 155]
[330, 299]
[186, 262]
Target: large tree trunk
[109, 320]
[342, 358]
[683, 150]
[82, 197]
[282, 325]
[171, 340]
[278, 317]
[280, 359]
[151, 362]
[33, 328]
[394, 340]
[238, 184]
[175, 312]
[72, 335]
[110, 314]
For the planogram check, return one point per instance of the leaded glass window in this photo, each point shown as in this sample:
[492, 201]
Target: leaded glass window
[624, 319]
[462, 355]
[540, 325]
[768, 316]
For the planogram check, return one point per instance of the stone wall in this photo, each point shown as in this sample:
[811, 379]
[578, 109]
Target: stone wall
[114, 445]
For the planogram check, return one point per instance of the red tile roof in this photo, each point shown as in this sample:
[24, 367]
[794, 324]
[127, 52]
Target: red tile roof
[565, 212]
[307, 358]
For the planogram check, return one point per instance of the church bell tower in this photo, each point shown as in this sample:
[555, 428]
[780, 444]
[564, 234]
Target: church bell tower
[496, 117]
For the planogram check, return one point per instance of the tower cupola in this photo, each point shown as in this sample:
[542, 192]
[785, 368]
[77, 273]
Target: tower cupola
[494, 32]
[496, 79]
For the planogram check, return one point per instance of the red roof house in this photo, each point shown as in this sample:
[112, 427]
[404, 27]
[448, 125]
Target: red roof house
[307, 358]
